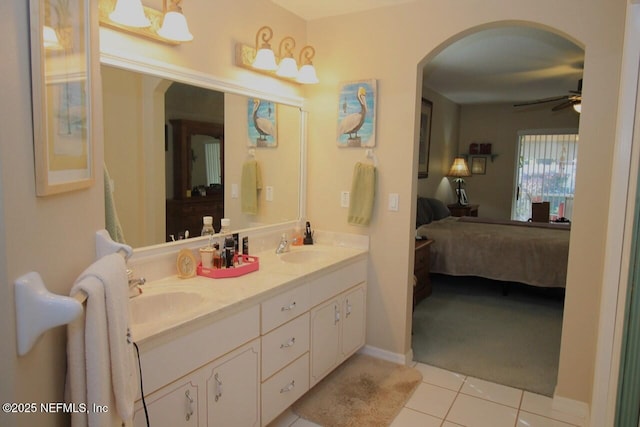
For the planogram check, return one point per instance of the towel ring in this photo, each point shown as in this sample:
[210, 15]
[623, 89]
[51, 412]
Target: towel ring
[372, 155]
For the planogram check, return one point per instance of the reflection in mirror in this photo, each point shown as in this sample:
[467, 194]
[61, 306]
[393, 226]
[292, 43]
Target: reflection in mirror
[175, 152]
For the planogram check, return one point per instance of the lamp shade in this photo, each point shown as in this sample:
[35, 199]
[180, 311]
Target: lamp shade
[287, 68]
[265, 59]
[307, 74]
[174, 27]
[130, 13]
[459, 168]
[577, 107]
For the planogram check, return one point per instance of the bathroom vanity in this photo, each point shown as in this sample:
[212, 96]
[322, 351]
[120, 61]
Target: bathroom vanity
[239, 351]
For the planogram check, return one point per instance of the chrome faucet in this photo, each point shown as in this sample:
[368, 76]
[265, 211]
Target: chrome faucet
[134, 284]
[283, 246]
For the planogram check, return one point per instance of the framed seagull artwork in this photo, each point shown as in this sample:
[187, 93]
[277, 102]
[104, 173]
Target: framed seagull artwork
[357, 114]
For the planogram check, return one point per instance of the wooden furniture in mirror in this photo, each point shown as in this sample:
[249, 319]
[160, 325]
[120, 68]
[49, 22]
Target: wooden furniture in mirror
[198, 177]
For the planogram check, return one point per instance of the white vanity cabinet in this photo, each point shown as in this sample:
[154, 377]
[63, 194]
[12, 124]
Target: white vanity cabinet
[173, 405]
[337, 331]
[338, 318]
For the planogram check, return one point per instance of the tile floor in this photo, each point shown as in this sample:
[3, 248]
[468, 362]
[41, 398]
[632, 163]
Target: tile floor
[447, 399]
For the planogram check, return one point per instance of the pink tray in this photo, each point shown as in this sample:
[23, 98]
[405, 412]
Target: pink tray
[249, 264]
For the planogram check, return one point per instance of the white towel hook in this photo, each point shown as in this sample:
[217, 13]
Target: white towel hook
[372, 155]
[105, 245]
[38, 310]
[251, 152]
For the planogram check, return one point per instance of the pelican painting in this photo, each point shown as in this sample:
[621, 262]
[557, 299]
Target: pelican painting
[356, 114]
[261, 118]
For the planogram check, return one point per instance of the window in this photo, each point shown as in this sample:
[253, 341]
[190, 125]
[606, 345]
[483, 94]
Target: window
[545, 172]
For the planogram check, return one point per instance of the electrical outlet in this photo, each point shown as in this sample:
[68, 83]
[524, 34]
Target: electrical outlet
[344, 199]
[394, 202]
[234, 191]
[269, 195]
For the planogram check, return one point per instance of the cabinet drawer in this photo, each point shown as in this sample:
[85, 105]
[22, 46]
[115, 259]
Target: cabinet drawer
[422, 259]
[284, 307]
[331, 284]
[284, 344]
[284, 388]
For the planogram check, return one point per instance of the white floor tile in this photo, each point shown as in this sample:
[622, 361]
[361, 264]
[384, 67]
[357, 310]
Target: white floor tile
[440, 377]
[286, 419]
[450, 424]
[542, 405]
[473, 412]
[491, 391]
[301, 422]
[410, 418]
[526, 419]
[431, 399]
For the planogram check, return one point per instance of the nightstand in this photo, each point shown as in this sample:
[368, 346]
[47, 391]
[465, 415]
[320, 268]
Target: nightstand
[463, 210]
[421, 264]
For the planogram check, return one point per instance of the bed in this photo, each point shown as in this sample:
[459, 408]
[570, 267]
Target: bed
[512, 251]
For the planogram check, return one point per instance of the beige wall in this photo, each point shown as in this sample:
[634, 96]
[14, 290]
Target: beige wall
[55, 235]
[499, 124]
[406, 36]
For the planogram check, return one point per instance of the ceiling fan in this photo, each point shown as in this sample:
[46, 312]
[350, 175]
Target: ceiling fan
[574, 99]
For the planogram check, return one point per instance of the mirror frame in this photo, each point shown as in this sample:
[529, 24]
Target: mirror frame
[196, 78]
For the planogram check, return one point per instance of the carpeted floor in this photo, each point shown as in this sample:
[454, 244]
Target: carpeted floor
[363, 391]
[468, 326]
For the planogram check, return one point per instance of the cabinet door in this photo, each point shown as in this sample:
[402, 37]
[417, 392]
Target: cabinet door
[173, 405]
[233, 388]
[354, 320]
[325, 338]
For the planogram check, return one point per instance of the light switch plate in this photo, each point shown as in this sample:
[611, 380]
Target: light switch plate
[344, 199]
[394, 202]
[234, 191]
[269, 195]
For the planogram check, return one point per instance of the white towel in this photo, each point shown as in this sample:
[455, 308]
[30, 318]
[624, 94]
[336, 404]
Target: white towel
[101, 359]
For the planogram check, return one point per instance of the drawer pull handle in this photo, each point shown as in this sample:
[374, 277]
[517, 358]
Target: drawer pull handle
[289, 307]
[189, 405]
[289, 343]
[336, 313]
[218, 387]
[349, 308]
[288, 387]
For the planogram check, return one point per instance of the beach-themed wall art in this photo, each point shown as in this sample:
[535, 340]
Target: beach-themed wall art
[263, 128]
[357, 114]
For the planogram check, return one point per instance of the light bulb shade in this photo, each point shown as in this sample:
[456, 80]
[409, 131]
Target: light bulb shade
[459, 168]
[307, 74]
[130, 13]
[174, 27]
[288, 68]
[265, 60]
[50, 38]
[578, 107]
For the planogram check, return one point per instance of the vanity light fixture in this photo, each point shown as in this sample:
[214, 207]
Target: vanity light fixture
[288, 66]
[261, 58]
[50, 39]
[129, 13]
[265, 58]
[307, 73]
[167, 26]
[174, 25]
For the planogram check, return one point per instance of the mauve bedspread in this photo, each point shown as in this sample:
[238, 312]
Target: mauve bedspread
[501, 251]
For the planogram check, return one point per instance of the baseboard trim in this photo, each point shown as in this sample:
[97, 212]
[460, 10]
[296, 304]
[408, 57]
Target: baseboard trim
[571, 407]
[401, 359]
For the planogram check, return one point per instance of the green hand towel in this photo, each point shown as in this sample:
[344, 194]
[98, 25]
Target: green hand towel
[363, 188]
[250, 183]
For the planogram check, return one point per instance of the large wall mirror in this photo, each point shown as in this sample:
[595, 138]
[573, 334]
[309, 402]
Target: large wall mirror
[174, 152]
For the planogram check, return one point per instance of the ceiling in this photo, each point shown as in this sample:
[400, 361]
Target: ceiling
[506, 64]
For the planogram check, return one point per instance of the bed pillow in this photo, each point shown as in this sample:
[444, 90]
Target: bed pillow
[424, 214]
[439, 209]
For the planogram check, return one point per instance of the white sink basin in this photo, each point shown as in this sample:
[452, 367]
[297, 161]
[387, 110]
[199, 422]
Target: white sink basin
[304, 256]
[155, 307]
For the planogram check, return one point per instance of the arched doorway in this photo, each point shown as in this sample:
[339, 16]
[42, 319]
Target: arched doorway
[474, 82]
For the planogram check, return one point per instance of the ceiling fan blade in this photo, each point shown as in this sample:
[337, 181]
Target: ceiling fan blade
[563, 105]
[541, 101]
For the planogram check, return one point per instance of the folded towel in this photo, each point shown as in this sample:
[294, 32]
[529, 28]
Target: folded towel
[250, 183]
[363, 188]
[101, 360]
[112, 222]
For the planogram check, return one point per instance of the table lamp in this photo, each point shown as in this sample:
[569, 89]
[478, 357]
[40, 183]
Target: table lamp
[459, 169]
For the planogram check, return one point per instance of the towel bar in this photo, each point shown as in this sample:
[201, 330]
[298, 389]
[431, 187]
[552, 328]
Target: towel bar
[38, 310]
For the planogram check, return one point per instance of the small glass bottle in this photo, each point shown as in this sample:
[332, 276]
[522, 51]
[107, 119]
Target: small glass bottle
[207, 226]
[225, 226]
